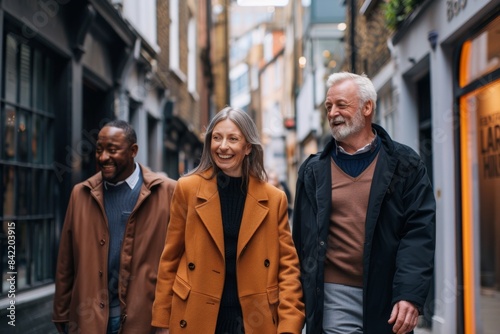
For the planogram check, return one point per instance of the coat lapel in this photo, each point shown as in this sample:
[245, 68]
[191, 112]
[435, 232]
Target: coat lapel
[382, 177]
[253, 214]
[323, 194]
[210, 211]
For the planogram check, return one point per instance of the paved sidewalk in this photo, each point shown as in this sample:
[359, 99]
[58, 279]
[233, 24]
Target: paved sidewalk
[422, 331]
[416, 331]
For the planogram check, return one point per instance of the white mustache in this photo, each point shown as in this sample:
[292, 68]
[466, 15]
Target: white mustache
[337, 120]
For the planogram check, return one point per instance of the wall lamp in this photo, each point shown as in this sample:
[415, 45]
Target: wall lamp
[432, 37]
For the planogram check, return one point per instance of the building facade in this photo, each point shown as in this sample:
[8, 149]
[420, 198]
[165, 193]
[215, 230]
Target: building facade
[64, 64]
[180, 68]
[68, 67]
[322, 53]
[438, 93]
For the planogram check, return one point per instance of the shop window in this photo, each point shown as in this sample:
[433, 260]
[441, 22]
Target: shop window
[480, 179]
[174, 39]
[27, 180]
[481, 54]
[385, 112]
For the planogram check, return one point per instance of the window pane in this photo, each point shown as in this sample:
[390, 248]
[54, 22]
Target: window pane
[38, 84]
[22, 251]
[36, 197]
[27, 140]
[41, 251]
[8, 177]
[25, 76]
[481, 54]
[480, 164]
[22, 136]
[23, 190]
[11, 69]
[49, 94]
[37, 149]
[50, 180]
[42, 194]
[9, 151]
[49, 142]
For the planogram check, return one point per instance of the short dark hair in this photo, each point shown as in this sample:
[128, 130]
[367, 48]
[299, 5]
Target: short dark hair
[127, 128]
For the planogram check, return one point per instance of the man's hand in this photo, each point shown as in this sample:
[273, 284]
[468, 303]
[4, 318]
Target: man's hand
[404, 316]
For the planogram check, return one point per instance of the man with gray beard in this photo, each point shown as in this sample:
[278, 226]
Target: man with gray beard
[363, 223]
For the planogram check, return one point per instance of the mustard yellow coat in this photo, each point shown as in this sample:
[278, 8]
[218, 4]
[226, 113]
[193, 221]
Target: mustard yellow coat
[192, 269]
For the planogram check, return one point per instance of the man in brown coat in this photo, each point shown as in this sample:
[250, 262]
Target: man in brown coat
[111, 242]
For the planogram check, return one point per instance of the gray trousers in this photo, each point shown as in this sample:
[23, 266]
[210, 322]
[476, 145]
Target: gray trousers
[343, 309]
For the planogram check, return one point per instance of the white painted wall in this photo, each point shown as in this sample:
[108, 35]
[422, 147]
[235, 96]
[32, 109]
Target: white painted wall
[142, 15]
[415, 46]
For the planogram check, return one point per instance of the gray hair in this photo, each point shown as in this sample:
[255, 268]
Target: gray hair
[253, 164]
[366, 90]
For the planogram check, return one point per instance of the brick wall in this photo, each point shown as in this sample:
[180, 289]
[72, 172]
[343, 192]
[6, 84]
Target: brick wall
[372, 52]
[186, 105]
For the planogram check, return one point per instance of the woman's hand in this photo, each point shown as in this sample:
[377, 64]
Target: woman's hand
[162, 331]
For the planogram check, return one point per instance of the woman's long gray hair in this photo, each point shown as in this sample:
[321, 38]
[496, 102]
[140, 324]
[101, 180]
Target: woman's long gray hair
[253, 164]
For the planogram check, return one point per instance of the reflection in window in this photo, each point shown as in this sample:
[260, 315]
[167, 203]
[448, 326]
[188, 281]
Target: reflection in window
[22, 136]
[9, 139]
[25, 76]
[481, 54]
[27, 182]
[11, 70]
[36, 139]
[480, 149]
[8, 190]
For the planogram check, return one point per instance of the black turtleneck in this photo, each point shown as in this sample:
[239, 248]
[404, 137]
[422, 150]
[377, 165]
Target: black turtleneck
[232, 199]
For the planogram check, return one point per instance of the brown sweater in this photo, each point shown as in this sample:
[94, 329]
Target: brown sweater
[346, 236]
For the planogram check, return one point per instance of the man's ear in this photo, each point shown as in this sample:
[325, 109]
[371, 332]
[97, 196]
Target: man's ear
[368, 108]
[134, 148]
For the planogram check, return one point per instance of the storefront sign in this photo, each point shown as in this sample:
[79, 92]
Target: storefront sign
[490, 144]
[453, 8]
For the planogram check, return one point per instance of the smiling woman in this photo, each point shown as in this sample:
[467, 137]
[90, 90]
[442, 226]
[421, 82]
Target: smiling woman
[229, 253]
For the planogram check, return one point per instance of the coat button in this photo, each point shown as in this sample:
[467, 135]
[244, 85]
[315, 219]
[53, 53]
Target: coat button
[266, 263]
[101, 305]
[100, 273]
[183, 323]
[102, 242]
[191, 266]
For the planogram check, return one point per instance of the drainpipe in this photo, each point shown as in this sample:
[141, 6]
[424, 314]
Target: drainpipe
[353, 36]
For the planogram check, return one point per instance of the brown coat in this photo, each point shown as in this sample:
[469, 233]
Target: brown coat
[81, 296]
[191, 272]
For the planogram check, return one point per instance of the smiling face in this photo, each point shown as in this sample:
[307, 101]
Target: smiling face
[229, 147]
[115, 154]
[346, 115]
